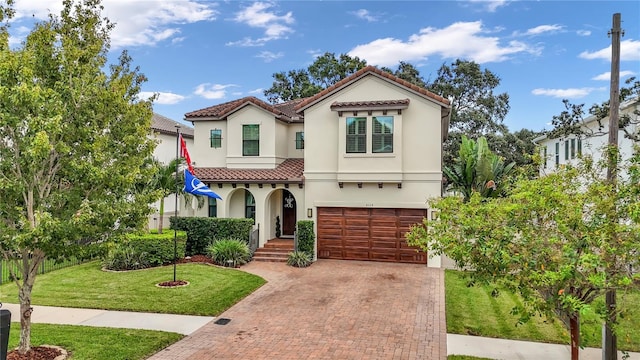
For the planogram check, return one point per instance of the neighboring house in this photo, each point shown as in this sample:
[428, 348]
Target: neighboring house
[360, 159]
[163, 130]
[567, 150]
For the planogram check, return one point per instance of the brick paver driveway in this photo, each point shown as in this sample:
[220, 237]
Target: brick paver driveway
[333, 310]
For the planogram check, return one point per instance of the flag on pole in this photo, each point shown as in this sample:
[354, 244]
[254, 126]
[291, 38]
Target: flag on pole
[185, 154]
[194, 186]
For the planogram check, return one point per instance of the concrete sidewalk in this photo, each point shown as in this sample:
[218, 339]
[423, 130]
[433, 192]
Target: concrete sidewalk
[513, 349]
[182, 324]
[185, 324]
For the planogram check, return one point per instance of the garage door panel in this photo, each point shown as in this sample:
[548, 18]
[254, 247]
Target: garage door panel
[356, 254]
[368, 234]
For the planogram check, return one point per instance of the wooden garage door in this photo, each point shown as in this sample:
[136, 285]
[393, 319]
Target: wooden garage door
[368, 234]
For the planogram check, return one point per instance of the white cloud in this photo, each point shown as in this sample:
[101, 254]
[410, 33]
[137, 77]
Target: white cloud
[212, 91]
[544, 29]
[444, 42]
[583, 32]
[629, 51]
[258, 91]
[136, 22]
[364, 14]
[607, 75]
[164, 98]
[491, 5]
[274, 26]
[269, 56]
[571, 93]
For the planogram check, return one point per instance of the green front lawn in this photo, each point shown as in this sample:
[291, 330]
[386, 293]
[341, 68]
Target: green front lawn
[84, 342]
[474, 311]
[211, 289]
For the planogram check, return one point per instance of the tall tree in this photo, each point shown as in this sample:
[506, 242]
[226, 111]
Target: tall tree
[476, 109]
[408, 72]
[548, 240]
[325, 71]
[73, 139]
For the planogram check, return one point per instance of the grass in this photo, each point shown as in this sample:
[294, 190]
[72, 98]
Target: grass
[465, 357]
[97, 343]
[211, 289]
[474, 311]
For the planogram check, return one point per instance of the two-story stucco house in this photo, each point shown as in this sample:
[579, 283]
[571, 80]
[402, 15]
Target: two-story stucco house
[360, 159]
[163, 130]
[567, 150]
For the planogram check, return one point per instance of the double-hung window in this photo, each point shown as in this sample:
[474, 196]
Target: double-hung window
[213, 207]
[250, 140]
[249, 206]
[382, 136]
[573, 148]
[557, 154]
[216, 138]
[566, 149]
[356, 135]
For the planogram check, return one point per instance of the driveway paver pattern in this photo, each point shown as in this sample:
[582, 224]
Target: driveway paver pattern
[334, 309]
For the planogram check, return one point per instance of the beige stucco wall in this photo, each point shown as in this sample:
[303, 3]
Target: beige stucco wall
[203, 155]
[415, 162]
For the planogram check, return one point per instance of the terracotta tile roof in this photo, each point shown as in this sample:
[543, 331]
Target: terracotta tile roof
[374, 70]
[284, 111]
[289, 171]
[370, 104]
[164, 125]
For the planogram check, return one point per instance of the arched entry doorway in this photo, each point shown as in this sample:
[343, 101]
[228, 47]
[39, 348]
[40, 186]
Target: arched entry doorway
[288, 213]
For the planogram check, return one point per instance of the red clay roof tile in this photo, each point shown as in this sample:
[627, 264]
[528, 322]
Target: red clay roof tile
[289, 171]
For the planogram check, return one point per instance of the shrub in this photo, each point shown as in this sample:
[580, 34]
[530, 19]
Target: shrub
[201, 232]
[159, 248]
[299, 259]
[124, 257]
[306, 237]
[229, 252]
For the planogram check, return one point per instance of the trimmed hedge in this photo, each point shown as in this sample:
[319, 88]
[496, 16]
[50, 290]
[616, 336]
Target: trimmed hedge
[306, 237]
[158, 248]
[203, 231]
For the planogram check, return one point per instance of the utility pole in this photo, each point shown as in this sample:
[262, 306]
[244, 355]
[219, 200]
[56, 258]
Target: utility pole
[609, 339]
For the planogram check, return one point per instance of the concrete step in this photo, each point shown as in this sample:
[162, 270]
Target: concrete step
[269, 259]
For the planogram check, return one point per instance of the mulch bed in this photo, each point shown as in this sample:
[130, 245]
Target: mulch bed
[196, 259]
[36, 353]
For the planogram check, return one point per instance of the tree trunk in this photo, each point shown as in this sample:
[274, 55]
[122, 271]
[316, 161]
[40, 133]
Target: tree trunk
[574, 328]
[161, 216]
[29, 272]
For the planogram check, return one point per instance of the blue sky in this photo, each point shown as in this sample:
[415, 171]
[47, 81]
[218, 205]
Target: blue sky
[201, 53]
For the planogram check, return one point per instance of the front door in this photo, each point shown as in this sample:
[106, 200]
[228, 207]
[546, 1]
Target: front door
[288, 214]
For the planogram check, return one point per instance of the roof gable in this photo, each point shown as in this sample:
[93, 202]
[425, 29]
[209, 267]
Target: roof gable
[284, 111]
[164, 125]
[366, 71]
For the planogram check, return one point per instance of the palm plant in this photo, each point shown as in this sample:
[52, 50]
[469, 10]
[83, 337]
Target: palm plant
[477, 169]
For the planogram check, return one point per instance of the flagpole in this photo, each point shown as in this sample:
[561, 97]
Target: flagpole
[175, 229]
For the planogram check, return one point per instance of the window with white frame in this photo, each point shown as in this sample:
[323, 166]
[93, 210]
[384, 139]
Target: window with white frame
[250, 140]
[215, 137]
[356, 135]
[382, 135]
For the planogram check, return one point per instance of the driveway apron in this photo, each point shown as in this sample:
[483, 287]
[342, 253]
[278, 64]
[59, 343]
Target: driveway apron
[334, 309]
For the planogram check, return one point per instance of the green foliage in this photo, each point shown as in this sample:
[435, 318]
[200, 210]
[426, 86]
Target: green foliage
[549, 240]
[325, 71]
[159, 248]
[477, 169]
[306, 237]
[278, 231]
[228, 252]
[201, 232]
[73, 141]
[408, 72]
[125, 257]
[299, 259]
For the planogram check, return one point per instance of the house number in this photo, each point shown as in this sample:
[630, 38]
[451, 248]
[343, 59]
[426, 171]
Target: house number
[368, 205]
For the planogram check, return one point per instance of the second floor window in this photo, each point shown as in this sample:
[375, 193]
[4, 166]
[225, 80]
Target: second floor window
[250, 140]
[356, 135]
[382, 136]
[216, 138]
[557, 154]
[300, 140]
